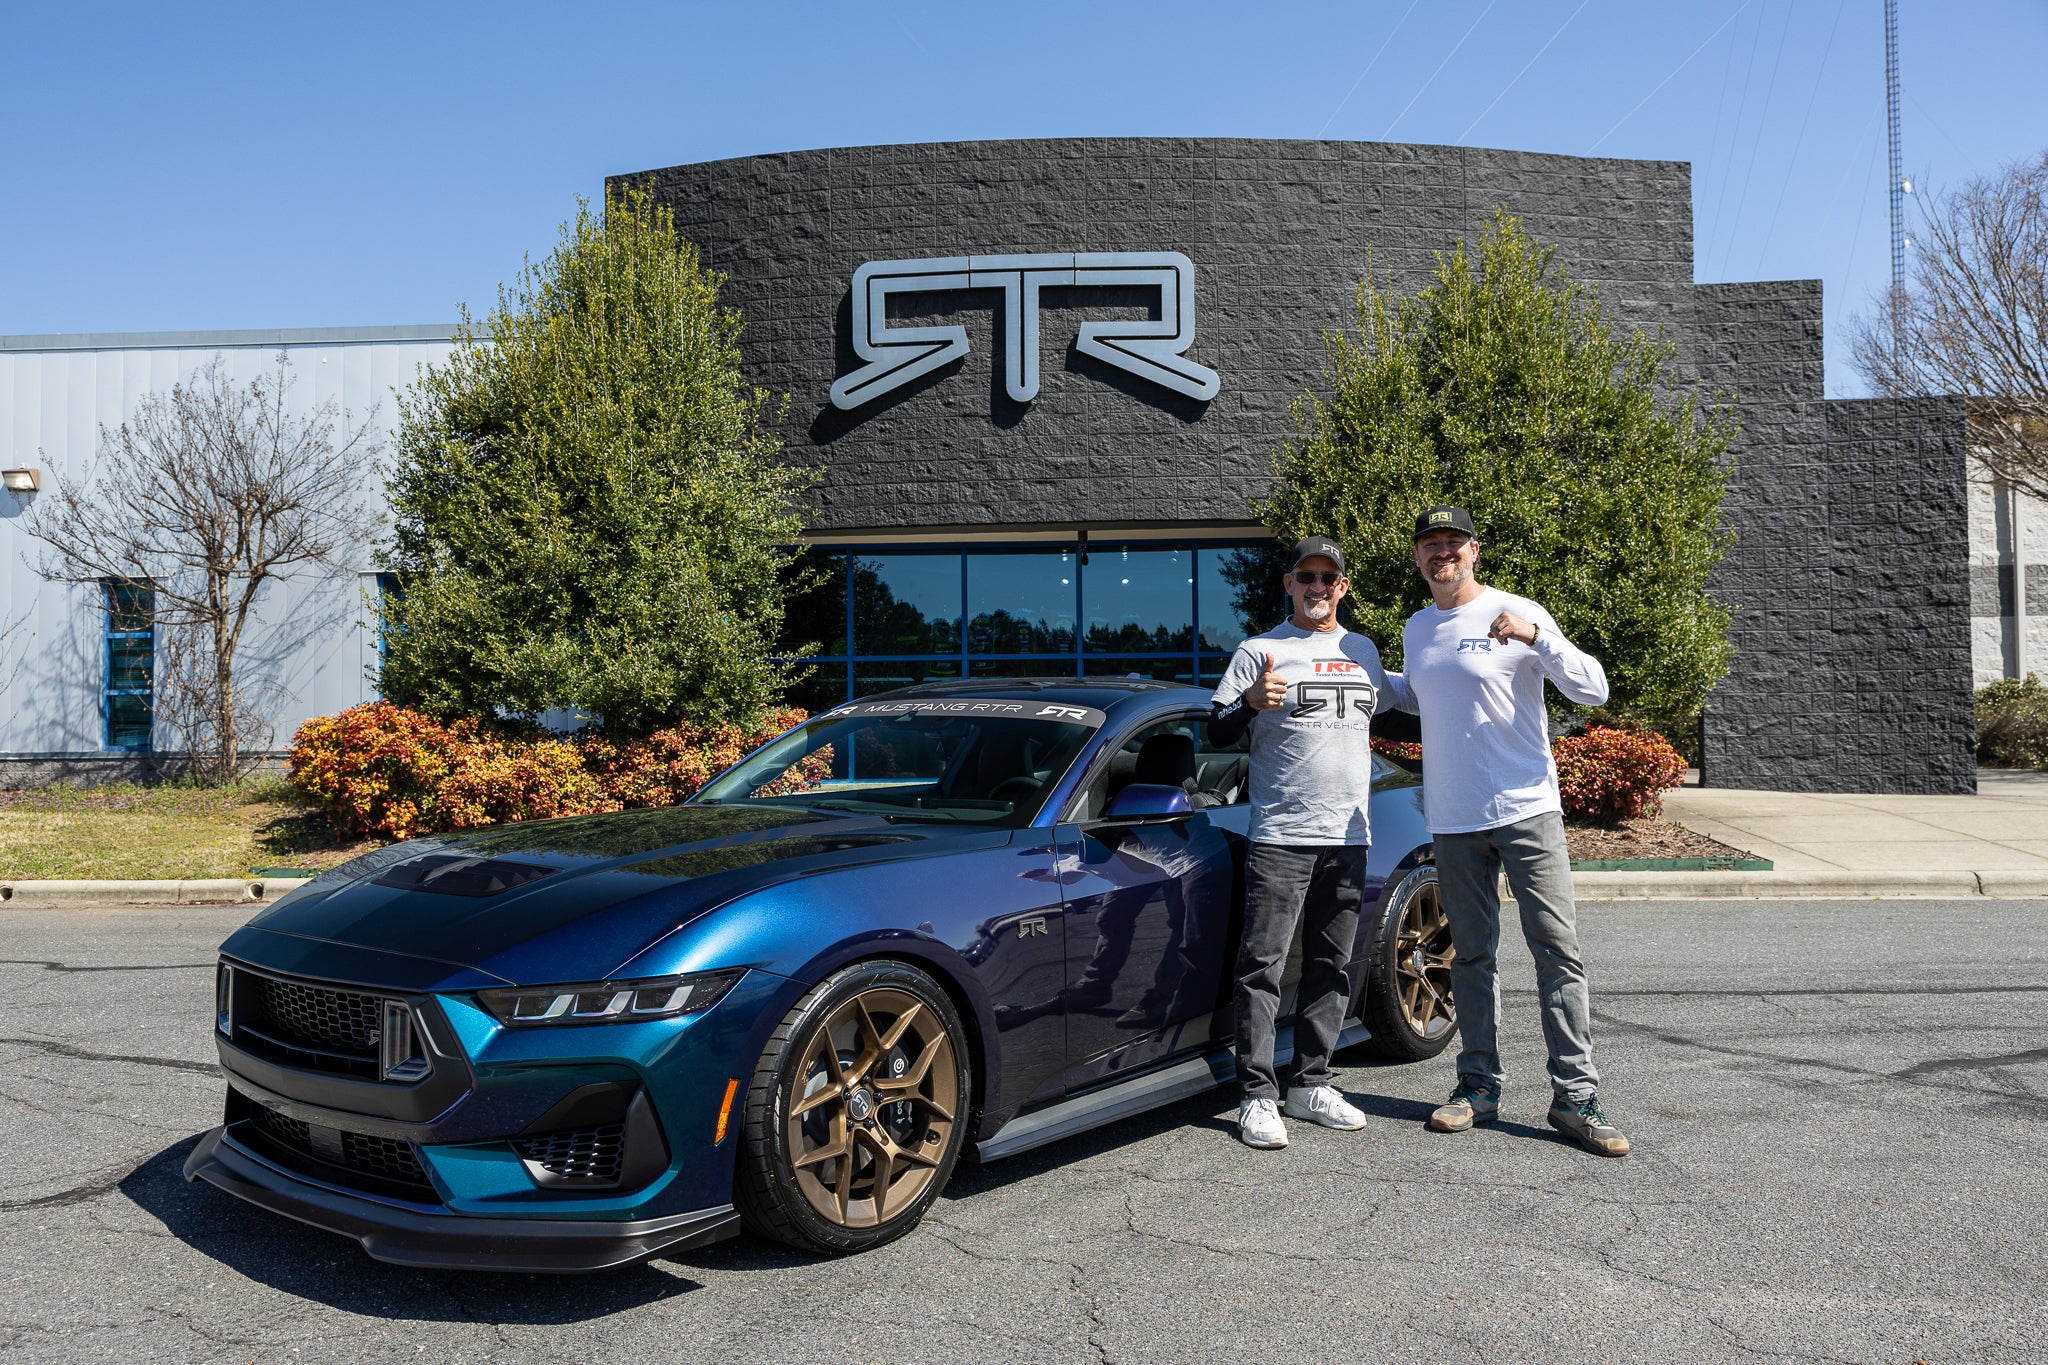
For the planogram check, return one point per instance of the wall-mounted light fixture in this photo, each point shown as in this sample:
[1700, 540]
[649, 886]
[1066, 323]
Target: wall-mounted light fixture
[21, 480]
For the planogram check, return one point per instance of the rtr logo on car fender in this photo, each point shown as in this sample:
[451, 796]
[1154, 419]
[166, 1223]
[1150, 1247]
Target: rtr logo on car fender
[1031, 928]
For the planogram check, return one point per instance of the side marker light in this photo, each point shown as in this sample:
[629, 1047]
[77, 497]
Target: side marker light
[725, 1111]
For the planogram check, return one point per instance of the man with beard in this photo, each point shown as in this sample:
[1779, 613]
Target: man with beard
[1475, 663]
[1307, 691]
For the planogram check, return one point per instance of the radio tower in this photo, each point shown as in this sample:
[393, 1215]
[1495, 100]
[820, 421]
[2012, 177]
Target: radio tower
[1891, 120]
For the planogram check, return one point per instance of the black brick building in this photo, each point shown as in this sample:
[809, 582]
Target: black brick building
[1852, 669]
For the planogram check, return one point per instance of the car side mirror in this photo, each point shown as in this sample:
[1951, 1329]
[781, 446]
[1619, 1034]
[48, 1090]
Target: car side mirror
[1148, 801]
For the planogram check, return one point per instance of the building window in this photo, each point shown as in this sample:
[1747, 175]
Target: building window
[125, 707]
[888, 617]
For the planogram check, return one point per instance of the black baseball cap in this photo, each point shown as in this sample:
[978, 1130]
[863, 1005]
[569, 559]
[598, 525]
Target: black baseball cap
[1445, 519]
[1313, 546]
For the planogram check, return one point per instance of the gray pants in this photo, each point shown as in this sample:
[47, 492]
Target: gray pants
[1316, 889]
[1540, 876]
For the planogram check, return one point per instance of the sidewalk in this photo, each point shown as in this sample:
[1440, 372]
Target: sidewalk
[2003, 828]
[1992, 844]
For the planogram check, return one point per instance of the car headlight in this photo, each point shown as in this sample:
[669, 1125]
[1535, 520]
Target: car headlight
[610, 1002]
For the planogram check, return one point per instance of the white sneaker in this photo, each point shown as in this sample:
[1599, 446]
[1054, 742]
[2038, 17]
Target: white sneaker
[1259, 1125]
[1322, 1104]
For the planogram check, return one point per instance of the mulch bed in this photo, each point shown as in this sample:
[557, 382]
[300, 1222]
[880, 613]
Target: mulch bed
[1644, 839]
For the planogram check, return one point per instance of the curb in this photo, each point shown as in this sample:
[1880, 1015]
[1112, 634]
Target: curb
[1707, 886]
[89, 895]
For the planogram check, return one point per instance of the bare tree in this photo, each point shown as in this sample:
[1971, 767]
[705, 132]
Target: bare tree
[1973, 319]
[205, 496]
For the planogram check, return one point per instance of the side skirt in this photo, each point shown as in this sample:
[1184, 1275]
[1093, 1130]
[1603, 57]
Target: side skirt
[1134, 1095]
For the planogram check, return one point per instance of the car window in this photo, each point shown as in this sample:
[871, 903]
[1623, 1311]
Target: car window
[958, 760]
[1175, 752]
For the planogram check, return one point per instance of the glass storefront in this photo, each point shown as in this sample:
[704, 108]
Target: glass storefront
[885, 618]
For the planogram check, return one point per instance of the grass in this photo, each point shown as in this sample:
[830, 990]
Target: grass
[169, 831]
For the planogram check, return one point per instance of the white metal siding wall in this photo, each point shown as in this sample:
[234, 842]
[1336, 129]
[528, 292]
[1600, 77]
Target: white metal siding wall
[313, 639]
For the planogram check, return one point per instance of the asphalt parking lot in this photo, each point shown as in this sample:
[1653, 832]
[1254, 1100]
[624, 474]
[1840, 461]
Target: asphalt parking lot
[1840, 1113]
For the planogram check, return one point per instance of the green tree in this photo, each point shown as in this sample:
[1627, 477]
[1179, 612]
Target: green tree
[589, 509]
[1596, 488]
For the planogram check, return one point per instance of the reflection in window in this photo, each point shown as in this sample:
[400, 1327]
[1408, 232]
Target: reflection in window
[130, 664]
[1021, 602]
[906, 603]
[814, 605]
[1140, 600]
[872, 676]
[1241, 595]
[1173, 668]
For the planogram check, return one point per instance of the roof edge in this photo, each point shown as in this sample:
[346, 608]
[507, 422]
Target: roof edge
[262, 336]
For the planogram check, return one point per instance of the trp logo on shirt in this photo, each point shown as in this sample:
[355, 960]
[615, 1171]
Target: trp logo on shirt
[1344, 666]
[1481, 645]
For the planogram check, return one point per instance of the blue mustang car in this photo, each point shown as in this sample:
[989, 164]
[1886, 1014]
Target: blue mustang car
[960, 919]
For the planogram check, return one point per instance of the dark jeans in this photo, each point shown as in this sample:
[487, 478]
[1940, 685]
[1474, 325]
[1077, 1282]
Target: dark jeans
[1315, 889]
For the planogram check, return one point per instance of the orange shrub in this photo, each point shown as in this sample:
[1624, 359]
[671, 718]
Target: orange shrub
[383, 769]
[1609, 775]
[378, 768]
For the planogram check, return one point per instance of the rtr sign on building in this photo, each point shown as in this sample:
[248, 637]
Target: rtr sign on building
[1045, 381]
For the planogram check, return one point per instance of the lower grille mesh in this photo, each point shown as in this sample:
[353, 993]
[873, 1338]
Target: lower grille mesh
[593, 1154]
[362, 1161]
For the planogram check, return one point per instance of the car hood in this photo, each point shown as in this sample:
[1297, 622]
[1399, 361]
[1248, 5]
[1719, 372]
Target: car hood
[573, 899]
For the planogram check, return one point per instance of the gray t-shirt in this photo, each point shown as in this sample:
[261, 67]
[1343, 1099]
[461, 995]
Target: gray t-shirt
[1311, 759]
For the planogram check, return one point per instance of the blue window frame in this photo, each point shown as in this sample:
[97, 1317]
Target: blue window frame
[126, 698]
[889, 616]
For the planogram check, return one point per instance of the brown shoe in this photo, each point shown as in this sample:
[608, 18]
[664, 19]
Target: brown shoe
[1585, 1124]
[1465, 1108]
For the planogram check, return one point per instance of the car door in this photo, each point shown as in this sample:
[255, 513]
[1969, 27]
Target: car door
[1148, 913]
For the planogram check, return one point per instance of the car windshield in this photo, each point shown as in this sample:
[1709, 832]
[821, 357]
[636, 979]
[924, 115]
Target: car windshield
[949, 760]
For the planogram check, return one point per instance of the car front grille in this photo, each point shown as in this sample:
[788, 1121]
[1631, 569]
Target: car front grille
[594, 1155]
[320, 1016]
[360, 1161]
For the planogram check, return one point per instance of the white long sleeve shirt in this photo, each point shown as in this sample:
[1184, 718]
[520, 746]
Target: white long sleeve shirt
[1485, 738]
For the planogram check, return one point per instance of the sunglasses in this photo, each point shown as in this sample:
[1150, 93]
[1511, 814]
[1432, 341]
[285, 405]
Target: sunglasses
[1309, 580]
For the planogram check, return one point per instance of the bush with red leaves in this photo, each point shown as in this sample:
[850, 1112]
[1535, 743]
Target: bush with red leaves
[384, 769]
[1609, 775]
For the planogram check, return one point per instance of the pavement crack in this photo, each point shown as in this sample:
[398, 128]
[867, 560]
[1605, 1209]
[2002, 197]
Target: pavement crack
[79, 1054]
[50, 965]
[1906, 1077]
[105, 1183]
[1940, 1064]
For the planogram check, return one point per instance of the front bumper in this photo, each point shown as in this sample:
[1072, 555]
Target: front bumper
[450, 1241]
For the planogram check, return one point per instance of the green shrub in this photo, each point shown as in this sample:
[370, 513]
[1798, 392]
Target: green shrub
[588, 498]
[1594, 479]
[2012, 723]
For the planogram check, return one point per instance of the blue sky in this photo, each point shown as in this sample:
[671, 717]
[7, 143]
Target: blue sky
[177, 167]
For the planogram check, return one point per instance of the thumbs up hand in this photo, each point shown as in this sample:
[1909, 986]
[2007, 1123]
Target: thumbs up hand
[1267, 690]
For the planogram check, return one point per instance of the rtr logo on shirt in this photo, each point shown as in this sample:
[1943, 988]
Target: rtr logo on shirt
[1481, 645]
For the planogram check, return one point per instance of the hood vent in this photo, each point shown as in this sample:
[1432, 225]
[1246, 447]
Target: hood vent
[452, 874]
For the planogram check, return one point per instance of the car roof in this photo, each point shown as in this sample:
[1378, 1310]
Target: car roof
[1109, 695]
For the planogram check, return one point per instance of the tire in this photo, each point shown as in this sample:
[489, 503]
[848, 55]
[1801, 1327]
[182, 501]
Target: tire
[1407, 1005]
[863, 1088]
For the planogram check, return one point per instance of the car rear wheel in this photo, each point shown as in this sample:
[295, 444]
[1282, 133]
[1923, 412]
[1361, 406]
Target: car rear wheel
[857, 1111]
[1407, 1004]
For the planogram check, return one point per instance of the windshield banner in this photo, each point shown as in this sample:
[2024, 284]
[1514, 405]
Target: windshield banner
[971, 706]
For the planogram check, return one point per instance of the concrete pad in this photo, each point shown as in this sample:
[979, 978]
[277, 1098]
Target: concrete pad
[1905, 856]
[1997, 823]
[1770, 885]
[1819, 829]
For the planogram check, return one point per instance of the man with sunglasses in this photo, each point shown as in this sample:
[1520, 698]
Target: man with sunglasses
[1474, 664]
[1306, 691]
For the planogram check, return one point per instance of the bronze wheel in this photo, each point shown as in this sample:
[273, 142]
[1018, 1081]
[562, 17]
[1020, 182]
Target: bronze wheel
[857, 1114]
[1407, 1003]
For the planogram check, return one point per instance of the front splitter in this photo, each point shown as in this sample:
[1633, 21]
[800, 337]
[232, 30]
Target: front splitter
[450, 1241]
